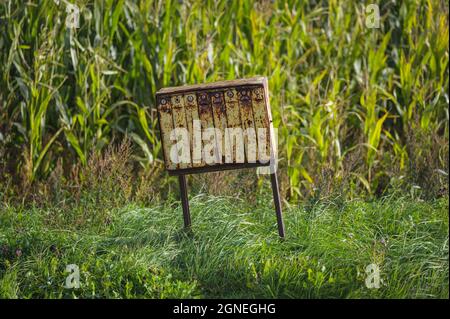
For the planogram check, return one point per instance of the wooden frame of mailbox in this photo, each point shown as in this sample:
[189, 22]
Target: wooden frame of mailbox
[208, 92]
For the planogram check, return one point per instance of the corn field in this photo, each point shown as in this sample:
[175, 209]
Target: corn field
[359, 107]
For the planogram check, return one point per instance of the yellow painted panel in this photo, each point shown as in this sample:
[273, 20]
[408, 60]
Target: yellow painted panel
[248, 124]
[166, 126]
[233, 120]
[191, 108]
[206, 118]
[261, 123]
[220, 118]
[179, 121]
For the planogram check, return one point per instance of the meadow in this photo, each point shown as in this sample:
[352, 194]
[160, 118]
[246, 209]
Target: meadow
[361, 107]
[233, 250]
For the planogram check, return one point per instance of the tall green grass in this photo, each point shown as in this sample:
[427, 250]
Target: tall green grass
[357, 108]
[233, 252]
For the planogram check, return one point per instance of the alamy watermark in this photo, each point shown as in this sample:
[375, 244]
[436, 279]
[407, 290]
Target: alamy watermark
[73, 279]
[372, 16]
[373, 279]
[224, 146]
[73, 14]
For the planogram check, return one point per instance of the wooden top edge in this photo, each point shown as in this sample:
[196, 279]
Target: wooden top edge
[213, 85]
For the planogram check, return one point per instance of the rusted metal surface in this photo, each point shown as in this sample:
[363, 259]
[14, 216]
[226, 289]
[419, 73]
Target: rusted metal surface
[239, 104]
[214, 168]
[261, 117]
[195, 137]
[277, 203]
[213, 85]
[179, 121]
[248, 124]
[220, 120]
[207, 122]
[234, 121]
[166, 127]
[184, 201]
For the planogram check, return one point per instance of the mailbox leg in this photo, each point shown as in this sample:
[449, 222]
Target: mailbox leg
[184, 201]
[277, 202]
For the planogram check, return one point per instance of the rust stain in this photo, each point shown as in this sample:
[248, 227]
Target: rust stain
[232, 108]
[204, 106]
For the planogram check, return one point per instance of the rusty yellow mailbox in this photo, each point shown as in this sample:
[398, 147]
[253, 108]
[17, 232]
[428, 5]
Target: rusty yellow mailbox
[218, 126]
